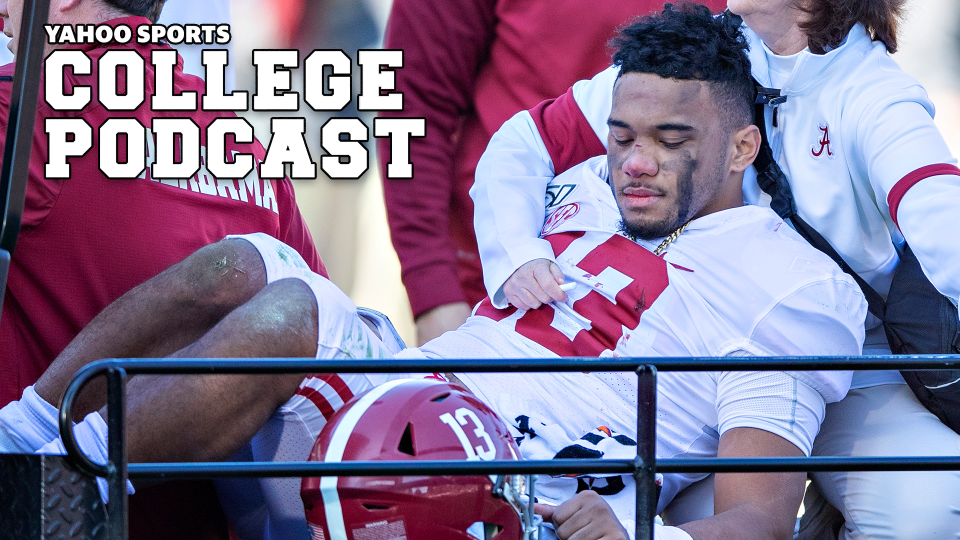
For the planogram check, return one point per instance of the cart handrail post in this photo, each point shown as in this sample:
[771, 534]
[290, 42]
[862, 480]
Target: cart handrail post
[117, 452]
[645, 474]
[18, 145]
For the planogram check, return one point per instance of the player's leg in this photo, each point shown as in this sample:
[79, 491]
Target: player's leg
[160, 316]
[307, 316]
[208, 417]
[271, 507]
[887, 420]
[154, 319]
[282, 320]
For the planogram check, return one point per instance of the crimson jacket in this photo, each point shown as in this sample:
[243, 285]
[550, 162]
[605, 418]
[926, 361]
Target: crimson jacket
[88, 239]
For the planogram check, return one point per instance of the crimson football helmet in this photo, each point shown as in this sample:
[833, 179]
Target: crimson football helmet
[413, 420]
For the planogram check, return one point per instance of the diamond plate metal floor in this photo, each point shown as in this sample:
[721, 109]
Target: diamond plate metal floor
[41, 498]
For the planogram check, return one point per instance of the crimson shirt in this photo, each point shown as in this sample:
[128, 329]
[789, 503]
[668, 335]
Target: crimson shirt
[88, 239]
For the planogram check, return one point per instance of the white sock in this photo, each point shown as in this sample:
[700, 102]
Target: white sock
[28, 424]
[91, 436]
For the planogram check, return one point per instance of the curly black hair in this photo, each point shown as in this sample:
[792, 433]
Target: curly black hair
[685, 41]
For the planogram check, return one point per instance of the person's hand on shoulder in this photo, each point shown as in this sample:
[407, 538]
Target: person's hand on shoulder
[535, 283]
[585, 517]
[443, 318]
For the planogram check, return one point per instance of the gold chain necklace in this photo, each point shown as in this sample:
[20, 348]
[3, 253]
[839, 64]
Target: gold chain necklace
[666, 241]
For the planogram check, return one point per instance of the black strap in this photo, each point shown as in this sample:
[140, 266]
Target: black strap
[773, 182]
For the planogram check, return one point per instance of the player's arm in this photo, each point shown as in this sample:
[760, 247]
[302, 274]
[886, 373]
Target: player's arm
[512, 176]
[752, 505]
[748, 506]
[821, 317]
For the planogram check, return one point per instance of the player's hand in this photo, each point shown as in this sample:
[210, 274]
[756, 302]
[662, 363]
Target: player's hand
[432, 323]
[535, 283]
[585, 517]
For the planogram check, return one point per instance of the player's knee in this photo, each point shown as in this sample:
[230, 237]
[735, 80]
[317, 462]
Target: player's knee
[292, 292]
[284, 312]
[219, 277]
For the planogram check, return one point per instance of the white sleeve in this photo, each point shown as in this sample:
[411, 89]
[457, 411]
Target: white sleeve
[900, 146]
[928, 220]
[511, 183]
[823, 317]
[595, 99]
[832, 312]
[772, 401]
[508, 197]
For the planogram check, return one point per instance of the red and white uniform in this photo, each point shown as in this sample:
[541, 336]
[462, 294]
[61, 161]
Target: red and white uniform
[736, 283]
[732, 283]
[855, 133]
[469, 65]
[857, 139]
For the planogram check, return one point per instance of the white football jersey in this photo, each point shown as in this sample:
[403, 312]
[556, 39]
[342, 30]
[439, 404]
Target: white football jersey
[594, 414]
[735, 282]
[855, 136]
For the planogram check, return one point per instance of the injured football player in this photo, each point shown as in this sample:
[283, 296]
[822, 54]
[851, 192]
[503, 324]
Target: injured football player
[666, 261]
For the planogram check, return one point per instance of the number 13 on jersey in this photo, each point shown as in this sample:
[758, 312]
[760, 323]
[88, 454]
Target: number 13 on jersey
[485, 452]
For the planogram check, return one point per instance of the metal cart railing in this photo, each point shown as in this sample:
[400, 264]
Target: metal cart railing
[643, 467]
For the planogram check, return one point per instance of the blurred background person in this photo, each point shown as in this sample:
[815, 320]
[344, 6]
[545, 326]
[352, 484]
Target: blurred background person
[332, 207]
[930, 51]
[179, 12]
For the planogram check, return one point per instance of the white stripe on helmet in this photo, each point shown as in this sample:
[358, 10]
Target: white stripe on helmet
[338, 443]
